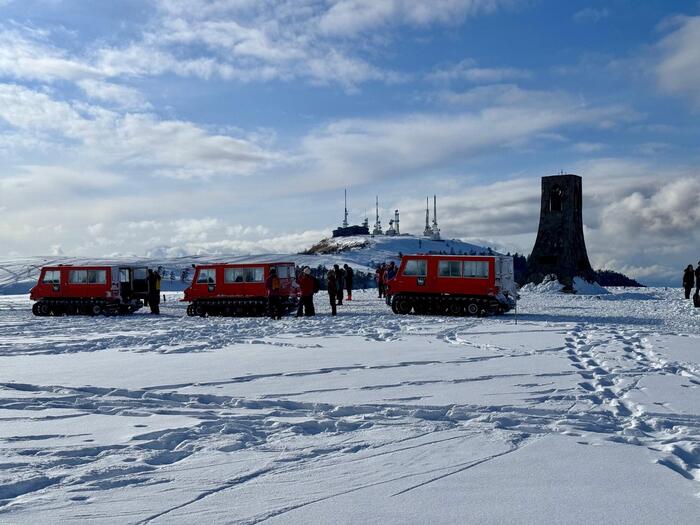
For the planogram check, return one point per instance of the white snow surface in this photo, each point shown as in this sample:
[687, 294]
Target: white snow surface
[584, 287]
[553, 286]
[585, 411]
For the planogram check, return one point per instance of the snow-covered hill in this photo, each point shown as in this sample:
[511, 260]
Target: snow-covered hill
[18, 275]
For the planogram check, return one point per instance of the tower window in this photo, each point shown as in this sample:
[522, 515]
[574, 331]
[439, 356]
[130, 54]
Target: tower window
[555, 199]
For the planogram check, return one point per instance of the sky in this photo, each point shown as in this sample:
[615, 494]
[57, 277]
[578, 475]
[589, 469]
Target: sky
[173, 127]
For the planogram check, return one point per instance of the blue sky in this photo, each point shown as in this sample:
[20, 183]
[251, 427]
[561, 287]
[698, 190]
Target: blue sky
[174, 126]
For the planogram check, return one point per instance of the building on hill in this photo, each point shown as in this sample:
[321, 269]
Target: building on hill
[393, 228]
[347, 230]
[431, 232]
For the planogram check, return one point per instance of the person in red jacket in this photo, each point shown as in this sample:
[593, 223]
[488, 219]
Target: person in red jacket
[307, 288]
[380, 279]
[274, 301]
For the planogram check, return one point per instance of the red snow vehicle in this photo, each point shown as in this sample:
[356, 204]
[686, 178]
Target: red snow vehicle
[238, 289]
[453, 285]
[89, 290]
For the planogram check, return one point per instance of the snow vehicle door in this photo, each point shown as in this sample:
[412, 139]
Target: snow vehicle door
[139, 282]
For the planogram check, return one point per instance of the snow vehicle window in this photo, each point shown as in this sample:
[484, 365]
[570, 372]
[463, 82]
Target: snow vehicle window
[416, 267]
[207, 276]
[123, 275]
[243, 275]
[450, 269]
[52, 277]
[478, 269]
[97, 276]
[140, 274]
[77, 277]
[283, 272]
[234, 275]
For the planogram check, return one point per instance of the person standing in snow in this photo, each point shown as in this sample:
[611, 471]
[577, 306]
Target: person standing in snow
[272, 285]
[349, 275]
[340, 284]
[697, 279]
[332, 287]
[307, 284]
[154, 291]
[381, 269]
[390, 272]
[688, 280]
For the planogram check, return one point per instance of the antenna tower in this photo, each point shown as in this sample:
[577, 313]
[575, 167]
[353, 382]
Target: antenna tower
[345, 220]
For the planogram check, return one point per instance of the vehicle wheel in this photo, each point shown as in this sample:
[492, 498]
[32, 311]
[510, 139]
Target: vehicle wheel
[96, 309]
[403, 306]
[420, 308]
[455, 308]
[35, 309]
[200, 310]
[44, 309]
[393, 307]
[472, 309]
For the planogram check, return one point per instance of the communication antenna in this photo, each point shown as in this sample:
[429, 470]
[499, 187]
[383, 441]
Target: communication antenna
[435, 210]
[345, 220]
[427, 232]
[377, 224]
[436, 229]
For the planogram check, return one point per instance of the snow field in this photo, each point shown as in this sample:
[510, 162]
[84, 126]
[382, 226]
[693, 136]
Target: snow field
[587, 409]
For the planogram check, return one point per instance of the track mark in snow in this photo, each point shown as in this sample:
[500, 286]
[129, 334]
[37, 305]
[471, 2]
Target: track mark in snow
[461, 468]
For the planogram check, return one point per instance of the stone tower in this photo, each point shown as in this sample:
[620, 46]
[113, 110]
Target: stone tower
[560, 247]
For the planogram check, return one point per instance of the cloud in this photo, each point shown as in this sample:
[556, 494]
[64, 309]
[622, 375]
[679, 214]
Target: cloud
[371, 149]
[121, 96]
[467, 70]
[169, 148]
[589, 147]
[592, 15]
[348, 17]
[27, 54]
[671, 210]
[678, 69]
[96, 229]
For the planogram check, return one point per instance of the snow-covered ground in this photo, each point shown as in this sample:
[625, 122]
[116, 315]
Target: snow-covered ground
[586, 411]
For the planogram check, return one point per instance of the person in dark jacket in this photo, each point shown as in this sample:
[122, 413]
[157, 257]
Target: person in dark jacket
[391, 271]
[340, 284]
[697, 279]
[332, 287]
[688, 280]
[274, 300]
[154, 291]
[307, 285]
[349, 275]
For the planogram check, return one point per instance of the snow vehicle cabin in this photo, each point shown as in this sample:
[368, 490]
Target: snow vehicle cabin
[238, 289]
[89, 290]
[453, 285]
